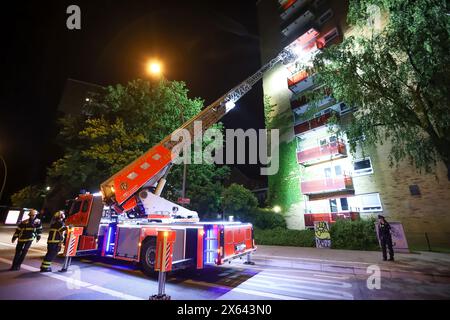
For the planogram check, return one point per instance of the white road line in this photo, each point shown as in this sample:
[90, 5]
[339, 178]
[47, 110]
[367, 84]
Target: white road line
[246, 291]
[309, 290]
[292, 270]
[78, 283]
[31, 249]
[324, 261]
[315, 281]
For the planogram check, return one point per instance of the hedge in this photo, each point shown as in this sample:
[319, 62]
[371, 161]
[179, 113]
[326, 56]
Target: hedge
[263, 219]
[345, 234]
[284, 237]
[354, 235]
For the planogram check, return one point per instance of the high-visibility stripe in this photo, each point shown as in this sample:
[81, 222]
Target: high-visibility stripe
[24, 240]
[54, 241]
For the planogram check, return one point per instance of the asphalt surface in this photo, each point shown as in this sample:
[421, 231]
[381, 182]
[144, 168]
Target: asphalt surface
[105, 279]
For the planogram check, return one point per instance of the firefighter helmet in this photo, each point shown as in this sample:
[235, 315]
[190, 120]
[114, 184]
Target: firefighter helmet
[59, 215]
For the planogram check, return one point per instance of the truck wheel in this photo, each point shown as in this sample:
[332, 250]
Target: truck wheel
[148, 256]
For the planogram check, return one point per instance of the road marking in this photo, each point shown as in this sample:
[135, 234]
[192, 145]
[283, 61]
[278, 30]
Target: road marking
[246, 291]
[31, 249]
[78, 283]
[323, 261]
[342, 277]
[309, 290]
[315, 281]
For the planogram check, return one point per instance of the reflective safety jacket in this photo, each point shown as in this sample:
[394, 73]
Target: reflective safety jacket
[28, 230]
[56, 232]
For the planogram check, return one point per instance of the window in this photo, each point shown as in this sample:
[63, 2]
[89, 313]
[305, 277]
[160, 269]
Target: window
[414, 190]
[326, 16]
[333, 205]
[344, 108]
[338, 171]
[362, 167]
[344, 204]
[327, 173]
[76, 207]
[85, 206]
[370, 202]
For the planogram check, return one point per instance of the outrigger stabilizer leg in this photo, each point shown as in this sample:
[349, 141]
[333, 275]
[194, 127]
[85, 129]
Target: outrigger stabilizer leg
[249, 260]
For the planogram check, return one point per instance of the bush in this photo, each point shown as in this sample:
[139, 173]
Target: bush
[354, 235]
[263, 219]
[236, 199]
[284, 237]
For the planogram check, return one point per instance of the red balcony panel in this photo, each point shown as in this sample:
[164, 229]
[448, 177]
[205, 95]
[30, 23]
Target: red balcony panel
[329, 151]
[310, 218]
[313, 123]
[332, 36]
[287, 4]
[327, 185]
[306, 38]
[296, 78]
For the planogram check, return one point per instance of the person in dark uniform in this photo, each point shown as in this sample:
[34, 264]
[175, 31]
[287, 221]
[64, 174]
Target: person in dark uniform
[26, 232]
[384, 232]
[54, 241]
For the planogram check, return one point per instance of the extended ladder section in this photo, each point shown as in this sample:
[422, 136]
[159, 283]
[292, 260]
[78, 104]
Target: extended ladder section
[149, 168]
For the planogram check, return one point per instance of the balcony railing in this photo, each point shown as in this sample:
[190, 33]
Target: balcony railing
[327, 185]
[332, 150]
[310, 218]
[297, 77]
[314, 123]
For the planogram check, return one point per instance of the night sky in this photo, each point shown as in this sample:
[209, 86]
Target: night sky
[211, 45]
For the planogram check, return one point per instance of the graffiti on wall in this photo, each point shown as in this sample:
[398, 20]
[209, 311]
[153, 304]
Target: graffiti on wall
[322, 234]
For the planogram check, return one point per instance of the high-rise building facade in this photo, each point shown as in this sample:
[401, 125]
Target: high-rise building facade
[328, 182]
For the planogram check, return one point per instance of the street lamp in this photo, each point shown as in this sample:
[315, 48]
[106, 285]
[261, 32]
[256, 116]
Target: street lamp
[4, 179]
[154, 68]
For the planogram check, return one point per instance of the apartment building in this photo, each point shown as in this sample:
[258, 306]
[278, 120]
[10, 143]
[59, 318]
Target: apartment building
[334, 183]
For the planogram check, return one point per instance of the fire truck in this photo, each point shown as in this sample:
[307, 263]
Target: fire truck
[123, 219]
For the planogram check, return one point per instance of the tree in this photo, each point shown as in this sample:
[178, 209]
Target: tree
[237, 199]
[29, 197]
[397, 79]
[116, 127]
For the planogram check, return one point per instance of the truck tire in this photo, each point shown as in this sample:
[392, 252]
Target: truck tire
[148, 256]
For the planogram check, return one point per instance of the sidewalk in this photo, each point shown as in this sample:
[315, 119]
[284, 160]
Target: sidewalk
[424, 265]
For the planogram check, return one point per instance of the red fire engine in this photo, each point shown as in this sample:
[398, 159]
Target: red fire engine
[122, 222]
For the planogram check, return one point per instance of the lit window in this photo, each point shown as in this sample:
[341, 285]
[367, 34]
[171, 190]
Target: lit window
[362, 167]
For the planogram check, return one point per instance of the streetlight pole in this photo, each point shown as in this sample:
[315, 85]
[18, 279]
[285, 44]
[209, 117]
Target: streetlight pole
[4, 179]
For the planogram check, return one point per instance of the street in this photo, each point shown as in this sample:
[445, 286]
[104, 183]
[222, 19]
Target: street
[106, 279]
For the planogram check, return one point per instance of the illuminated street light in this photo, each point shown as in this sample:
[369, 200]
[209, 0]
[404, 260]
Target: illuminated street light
[154, 68]
[277, 209]
[48, 188]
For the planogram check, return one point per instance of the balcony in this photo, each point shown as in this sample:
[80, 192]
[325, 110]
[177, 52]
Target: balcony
[328, 185]
[310, 218]
[302, 85]
[290, 7]
[297, 77]
[330, 151]
[317, 122]
[292, 27]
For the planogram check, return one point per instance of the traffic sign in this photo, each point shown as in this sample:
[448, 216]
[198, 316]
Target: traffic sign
[184, 201]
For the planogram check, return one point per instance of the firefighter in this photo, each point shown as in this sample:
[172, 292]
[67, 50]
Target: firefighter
[54, 241]
[384, 232]
[26, 232]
